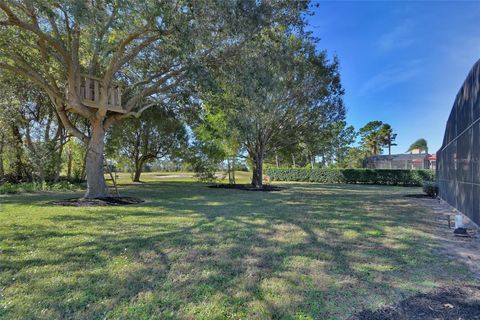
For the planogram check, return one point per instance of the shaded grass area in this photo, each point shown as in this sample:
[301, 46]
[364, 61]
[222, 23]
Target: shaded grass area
[192, 252]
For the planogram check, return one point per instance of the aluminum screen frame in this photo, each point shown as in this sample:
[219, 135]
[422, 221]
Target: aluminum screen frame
[458, 160]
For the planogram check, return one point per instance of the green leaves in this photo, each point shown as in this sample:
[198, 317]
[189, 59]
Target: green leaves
[376, 135]
[420, 144]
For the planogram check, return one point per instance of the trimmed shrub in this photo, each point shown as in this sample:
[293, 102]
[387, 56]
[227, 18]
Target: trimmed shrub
[352, 176]
[430, 188]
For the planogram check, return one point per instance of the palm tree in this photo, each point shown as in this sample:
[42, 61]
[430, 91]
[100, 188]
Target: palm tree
[371, 137]
[420, 144]
[372, 143]
[388, 137]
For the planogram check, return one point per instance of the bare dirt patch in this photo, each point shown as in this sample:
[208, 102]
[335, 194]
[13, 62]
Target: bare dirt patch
[464, 249]
[445, 303]
[107, 201]
[418, 196]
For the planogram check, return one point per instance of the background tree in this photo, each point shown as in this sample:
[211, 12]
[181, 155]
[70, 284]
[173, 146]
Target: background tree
[341, 143]
[74, 159]
[213, 127]
[52, 43]
[371, 137]
[354, 157]
[277, 89]
[388, 137]
[37, 134]
[421, 144]
[376, 135]
[154, 135]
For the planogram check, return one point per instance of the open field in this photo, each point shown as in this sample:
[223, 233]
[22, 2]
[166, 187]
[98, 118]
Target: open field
[125, 178]
[190, 252]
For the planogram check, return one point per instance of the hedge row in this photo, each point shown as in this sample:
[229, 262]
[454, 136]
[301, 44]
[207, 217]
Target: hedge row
[353, 176]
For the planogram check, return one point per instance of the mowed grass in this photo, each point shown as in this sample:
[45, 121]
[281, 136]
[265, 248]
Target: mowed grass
[190, 252]
[147, 177]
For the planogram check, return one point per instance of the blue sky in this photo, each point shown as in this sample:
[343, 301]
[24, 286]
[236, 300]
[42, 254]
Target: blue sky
[401, 62]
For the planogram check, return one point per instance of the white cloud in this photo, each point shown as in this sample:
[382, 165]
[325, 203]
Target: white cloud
[391, 76]
[401, 36]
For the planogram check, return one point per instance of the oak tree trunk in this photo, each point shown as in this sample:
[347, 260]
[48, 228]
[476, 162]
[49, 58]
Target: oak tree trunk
[138, 171]
[257, 177]
[94, 163]
[136, 176]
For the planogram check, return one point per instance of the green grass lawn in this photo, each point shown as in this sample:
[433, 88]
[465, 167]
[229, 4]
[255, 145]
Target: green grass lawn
[125, 178]
[191, 252]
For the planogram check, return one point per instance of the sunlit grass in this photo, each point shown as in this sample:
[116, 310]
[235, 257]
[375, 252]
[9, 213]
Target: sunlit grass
[192, 252]
[148, 177]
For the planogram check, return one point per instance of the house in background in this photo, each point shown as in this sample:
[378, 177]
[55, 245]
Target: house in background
[412, 161]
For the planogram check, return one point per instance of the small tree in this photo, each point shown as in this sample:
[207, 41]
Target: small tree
[156, 134]
[213, 128]
[354, 158]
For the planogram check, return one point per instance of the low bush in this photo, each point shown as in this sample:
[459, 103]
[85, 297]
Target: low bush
[430, 188]
[352, 176]
[28, 187]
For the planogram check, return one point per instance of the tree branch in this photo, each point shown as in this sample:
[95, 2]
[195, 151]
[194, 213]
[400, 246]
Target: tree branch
[15, 21]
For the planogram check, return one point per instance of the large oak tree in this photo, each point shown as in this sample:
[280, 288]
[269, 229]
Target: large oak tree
[278, 90]
[152, 48]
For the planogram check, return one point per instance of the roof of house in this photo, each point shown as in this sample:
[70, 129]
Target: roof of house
[386, 157]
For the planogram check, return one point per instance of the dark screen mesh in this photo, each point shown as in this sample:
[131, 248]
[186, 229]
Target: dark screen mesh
[399, 161]
[458, 160]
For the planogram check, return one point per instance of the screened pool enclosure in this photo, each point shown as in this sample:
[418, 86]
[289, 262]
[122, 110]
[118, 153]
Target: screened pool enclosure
[458, 171]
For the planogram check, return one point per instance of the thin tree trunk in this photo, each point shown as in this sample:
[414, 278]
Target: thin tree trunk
[95, 179]
[233, 170]
[83, 173]
[58, 166]
[2, 169]
[69, 164]
[18, 152]
[276, 159]
[229, 170]
[293, 160]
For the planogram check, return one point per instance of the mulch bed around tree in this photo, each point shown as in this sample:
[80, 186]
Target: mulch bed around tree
[107, 201]
[445, 303]
[247, 187]
[418, 196]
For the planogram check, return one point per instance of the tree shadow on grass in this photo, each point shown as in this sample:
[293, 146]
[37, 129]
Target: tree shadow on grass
[189, 252]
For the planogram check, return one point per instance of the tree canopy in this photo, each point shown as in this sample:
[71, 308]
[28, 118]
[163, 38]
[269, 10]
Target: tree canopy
[157, 50]
[421, 144]
[275, 92]
[376, 135]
